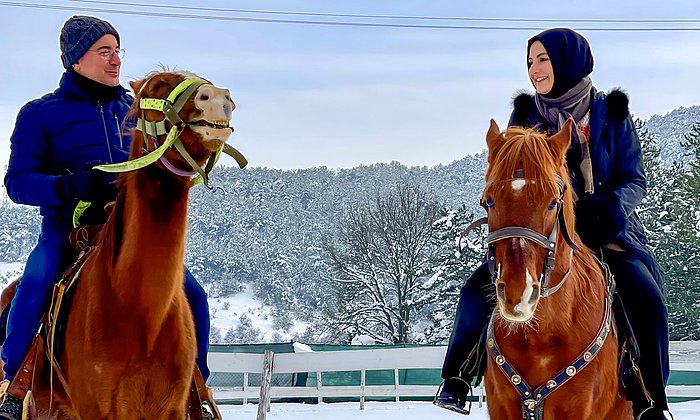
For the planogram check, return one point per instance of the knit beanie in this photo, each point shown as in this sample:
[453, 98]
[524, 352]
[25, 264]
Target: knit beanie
[79, 33]
[570, 54]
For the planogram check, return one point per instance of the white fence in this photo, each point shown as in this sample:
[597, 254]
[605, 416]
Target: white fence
[355, 360]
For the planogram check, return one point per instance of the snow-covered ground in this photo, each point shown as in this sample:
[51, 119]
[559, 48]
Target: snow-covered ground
[390, 411]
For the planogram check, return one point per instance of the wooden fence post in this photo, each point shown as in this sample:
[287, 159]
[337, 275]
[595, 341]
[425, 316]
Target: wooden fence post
[265, 382]
[362, 388]
[245, 386]
[396, 383]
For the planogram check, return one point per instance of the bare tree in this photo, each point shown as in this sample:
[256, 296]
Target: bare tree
[381, 260]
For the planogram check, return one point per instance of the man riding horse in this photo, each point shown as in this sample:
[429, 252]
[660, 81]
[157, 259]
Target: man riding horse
[56, 142]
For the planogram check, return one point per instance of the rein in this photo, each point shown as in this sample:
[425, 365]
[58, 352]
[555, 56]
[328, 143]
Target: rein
[170, 107]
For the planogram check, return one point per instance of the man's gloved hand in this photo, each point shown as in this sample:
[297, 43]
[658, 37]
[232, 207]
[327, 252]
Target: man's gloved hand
[91, 185]
[598, 220]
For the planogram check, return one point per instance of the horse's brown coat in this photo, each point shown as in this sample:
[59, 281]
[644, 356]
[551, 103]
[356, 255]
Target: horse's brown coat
[564, 323]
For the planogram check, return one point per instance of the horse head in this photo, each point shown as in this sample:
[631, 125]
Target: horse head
[194, 114]
[529, 204]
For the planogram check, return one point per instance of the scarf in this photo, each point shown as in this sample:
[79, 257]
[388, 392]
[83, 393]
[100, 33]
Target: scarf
[575, 103]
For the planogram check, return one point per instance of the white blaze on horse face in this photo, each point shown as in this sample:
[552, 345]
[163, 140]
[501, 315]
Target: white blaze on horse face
[518, 184]
[523, 307]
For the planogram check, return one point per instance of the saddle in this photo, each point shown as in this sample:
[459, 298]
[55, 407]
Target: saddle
[48, 342]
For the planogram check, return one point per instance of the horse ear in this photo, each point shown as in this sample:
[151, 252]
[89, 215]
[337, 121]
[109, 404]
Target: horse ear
[136, 85]
[559, 143]
[494, 139]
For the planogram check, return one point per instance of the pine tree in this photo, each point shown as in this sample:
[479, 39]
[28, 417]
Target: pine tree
[668, 213]
[684, 303]
[452, 268]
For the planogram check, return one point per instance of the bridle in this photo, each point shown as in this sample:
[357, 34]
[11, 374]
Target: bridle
[532, 398]
[549, 243]
[170, 107]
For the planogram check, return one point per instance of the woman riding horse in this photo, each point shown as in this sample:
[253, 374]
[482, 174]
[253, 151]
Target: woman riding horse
[607, 174]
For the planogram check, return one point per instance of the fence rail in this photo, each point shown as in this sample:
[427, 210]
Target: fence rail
[362, 361]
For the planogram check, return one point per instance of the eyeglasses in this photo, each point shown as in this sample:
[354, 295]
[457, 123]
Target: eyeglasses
[108, 54]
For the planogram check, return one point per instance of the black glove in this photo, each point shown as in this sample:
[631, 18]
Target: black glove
[91, 185]
[598, 220]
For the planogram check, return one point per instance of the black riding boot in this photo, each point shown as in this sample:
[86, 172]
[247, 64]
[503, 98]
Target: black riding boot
[452, 395]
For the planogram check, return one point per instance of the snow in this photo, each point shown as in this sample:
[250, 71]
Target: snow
[390, 411]
[302, 348]
[363, 340]
[226, 312]
[9, 272]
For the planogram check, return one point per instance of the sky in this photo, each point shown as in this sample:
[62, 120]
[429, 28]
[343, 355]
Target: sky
[342, 96]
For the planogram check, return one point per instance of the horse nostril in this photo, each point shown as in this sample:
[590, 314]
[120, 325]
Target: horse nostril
[535, 294]
[501, 291]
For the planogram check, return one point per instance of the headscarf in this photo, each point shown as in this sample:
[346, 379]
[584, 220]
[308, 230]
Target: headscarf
[572, 90]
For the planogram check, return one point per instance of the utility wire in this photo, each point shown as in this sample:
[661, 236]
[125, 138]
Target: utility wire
[457, 18]
[333, 23]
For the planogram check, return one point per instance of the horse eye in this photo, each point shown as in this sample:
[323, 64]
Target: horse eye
[489, 202]
[553, 205]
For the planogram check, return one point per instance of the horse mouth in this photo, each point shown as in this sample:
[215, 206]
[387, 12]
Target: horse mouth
[516, 316]
[217, 124]
[522, 311]
[213, 133]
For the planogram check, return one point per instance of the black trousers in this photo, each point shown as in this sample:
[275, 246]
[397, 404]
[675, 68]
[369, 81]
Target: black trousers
[639, 293]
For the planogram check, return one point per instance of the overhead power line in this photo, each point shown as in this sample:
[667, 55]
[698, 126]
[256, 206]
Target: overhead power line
[367, 16]
[331, 22]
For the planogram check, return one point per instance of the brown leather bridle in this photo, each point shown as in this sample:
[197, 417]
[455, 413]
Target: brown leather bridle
[549, 243]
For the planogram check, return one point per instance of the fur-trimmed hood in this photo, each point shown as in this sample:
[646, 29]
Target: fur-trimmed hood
[615, 102]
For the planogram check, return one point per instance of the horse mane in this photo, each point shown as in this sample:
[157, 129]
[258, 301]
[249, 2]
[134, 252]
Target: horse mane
[528, 150]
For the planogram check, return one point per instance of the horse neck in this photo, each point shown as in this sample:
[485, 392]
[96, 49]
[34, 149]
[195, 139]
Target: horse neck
[578, 305]
[149, 268]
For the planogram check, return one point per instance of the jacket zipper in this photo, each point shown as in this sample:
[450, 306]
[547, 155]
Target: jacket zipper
[119, 132]
[104, 127]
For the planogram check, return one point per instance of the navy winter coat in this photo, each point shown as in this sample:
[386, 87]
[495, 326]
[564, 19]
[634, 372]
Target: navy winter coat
[608, 215]
[61, 133]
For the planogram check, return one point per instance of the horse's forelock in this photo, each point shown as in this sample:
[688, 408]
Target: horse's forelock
[527, 150]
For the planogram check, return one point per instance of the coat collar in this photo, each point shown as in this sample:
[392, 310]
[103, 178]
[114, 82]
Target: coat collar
[70, 85]
[611, 106]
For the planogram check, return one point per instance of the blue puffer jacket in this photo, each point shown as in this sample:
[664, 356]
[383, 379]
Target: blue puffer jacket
[60, 133]
[618, 173]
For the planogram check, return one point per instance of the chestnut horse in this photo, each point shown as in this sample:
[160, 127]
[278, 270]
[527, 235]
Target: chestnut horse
[552, 358]
[129, 350]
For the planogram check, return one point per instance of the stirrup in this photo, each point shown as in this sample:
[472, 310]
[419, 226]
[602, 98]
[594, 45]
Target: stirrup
[464, 409]
[666, 413]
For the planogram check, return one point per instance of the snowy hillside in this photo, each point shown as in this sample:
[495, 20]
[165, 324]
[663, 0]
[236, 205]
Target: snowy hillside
[669, 130]
[259, 241]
